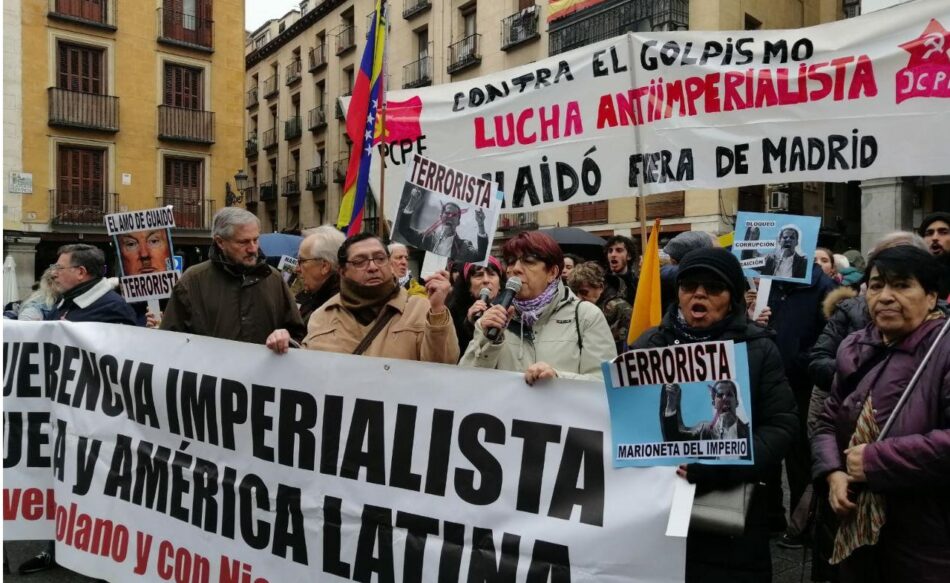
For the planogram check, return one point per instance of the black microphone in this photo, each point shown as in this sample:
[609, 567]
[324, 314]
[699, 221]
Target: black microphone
[484, 294]
[504, 300]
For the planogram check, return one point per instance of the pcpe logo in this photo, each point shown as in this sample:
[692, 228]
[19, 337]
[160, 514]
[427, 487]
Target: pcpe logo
[927, 73]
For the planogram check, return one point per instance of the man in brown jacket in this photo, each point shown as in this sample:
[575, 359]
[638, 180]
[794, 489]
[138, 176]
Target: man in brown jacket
[234, 295]
[373, 312]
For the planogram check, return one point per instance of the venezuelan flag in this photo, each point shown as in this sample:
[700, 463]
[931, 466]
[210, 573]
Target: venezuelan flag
[646, 306]
[361, 125]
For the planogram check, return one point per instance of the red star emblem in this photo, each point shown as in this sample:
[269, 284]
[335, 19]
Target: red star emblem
[932, 47]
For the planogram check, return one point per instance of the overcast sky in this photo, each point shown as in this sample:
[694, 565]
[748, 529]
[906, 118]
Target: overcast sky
[257, 12]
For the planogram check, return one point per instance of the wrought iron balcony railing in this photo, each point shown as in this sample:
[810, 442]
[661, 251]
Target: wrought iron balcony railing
[251, 100]
[464, 54]
[292, 128]
[97, 13]
[291, 186]
[83, 110]
[293, 72]
[186, 125]
[80, 207]
[346, 39]
[317, 118]
[183, 29]
[417, 74]
[270, 139]
[318, 57]
[339, 171]
[268, 191]
[190, 211]
[413, 7]
[250, 146]
[520, 27]
[270, 86]
[317, 177]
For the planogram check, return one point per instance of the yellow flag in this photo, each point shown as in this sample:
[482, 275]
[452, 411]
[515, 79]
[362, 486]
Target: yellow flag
[726, 240]
[646, 306]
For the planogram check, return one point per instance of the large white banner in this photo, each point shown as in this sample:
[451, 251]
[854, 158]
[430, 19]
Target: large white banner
[648, 113]
[150, 454]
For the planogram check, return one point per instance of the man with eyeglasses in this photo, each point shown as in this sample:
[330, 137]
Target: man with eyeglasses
[234, 295]
[317, 269]
[375, 316]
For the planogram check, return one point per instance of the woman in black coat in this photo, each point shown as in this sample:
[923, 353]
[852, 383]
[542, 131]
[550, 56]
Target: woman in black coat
[710, 307]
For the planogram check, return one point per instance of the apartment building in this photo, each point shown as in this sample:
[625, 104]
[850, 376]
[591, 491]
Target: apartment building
[120, 106]
[296, 145]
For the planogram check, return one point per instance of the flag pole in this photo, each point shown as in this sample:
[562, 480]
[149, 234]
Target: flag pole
[643, 221]
[380, 212]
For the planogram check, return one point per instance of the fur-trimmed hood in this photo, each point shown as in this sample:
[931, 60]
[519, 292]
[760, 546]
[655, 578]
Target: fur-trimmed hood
[835, 297]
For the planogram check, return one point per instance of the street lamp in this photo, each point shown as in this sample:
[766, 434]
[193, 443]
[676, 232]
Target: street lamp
[240, 182]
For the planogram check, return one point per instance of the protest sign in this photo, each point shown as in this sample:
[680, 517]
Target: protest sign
[287, 266]
[680, 404]
[143, 240]
[665, 111]
[447, 212]
[775, 246]
[150, 452]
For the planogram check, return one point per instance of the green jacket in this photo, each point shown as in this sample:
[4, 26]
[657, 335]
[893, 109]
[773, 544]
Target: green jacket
[554, 339]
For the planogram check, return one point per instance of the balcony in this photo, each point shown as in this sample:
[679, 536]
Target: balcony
[317, 178]
[251, 100]
[519, 28]
[185, 125]
[292, 128]
[270, 86]
[83, 110]
[340, 113]
[75, 207]
[250, 194]
[518, 221]
[268, 191]
[191, 211]
[852, 8]
[97, 13]
[346, 39]
[317, 118]
[596, 25]
[291, 186]
[293, 72]
[412, 7]
[339, 171]
[318, 57]
[270, 138]
[587, 213]
[464, 54]
[185, 30]
[250, 146]
[417, 73]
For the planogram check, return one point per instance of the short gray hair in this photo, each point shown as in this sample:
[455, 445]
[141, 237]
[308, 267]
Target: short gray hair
[226, 219]
[324, 243]
[90, 257]
[896, 239]
[393, 246]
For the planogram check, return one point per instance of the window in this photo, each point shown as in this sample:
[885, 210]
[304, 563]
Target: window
[80, 185]
[81, 68]
[468, 22]
[189, 10]
[422, 42]
[183, 188]
[183, 87]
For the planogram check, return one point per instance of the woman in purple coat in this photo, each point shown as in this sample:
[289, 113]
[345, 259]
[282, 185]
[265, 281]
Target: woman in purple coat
[892, 496]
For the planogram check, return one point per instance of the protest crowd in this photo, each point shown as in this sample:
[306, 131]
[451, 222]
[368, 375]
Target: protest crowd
[828, 361]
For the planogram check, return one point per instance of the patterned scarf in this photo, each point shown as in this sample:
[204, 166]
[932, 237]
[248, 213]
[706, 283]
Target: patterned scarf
[863, 526]
[530, 310]
[405, 279]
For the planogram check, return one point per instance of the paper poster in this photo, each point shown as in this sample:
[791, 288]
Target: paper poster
[143, 241]
[680, 404]
[776, 246]
[447, 212]
[287, 266]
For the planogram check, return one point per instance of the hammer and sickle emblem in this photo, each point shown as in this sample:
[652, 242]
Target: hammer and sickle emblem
[934, 44]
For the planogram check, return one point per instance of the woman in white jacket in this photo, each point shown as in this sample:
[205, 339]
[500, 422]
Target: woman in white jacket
[548, 331]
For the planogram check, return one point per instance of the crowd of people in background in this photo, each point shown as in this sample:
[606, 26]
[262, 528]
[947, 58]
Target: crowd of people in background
[829, 360]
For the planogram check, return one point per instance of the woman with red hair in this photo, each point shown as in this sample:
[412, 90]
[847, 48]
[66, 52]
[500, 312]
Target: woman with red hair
[547, 332]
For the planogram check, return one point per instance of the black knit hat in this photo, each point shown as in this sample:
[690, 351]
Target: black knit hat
[718, 261]
[937, 216]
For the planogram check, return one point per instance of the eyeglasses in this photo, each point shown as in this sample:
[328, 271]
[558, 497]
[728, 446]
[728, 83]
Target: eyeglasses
[363, 262]
[58, 267]
[713, 288]
[528, 260]
[302, 260]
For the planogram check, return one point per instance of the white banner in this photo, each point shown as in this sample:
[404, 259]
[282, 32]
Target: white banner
[649, 113]
[153, 453]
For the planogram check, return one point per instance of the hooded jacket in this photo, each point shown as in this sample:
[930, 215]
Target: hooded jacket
[570, 335]
[774, 425]
[846, 312]
[911, 466]
[220, 299]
